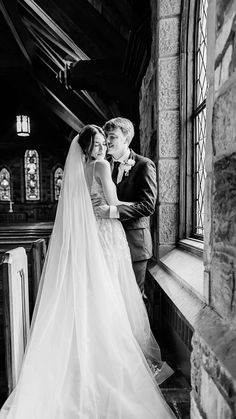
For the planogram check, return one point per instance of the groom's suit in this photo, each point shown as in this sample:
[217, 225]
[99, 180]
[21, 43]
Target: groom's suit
[138, 186]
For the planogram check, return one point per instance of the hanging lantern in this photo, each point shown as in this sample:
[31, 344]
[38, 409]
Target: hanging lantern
[23, 125]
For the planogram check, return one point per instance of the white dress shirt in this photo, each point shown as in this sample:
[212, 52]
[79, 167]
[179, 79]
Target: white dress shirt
[114, 211]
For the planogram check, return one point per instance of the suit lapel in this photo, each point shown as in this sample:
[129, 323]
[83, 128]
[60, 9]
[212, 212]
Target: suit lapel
[133, 157]
[116, 167]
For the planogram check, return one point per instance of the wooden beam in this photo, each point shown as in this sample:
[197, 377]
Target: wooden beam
[76, 105]
[88, 28]
[99, 75]
[11, 15]
[62, 111]
[41, 15]
[40, 30]
[105, 78]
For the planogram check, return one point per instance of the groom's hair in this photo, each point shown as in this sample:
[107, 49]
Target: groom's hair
[87, 136]
[124, 124]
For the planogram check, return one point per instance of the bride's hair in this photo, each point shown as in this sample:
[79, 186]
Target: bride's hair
[86, 138]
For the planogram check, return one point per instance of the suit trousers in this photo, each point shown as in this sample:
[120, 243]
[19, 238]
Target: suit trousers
[139, 268]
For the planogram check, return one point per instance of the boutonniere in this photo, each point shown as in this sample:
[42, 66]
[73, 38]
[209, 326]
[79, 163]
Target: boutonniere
[128, 165]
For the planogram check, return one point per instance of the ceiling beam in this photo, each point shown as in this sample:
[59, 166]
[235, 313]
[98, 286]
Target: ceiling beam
[49, 24]
[80, 108]
[85, 25]
[62, 111]
[102, 76]
[11, 15]
[40, 30]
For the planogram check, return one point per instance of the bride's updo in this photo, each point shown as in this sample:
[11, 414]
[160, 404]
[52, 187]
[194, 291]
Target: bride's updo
[86, 138]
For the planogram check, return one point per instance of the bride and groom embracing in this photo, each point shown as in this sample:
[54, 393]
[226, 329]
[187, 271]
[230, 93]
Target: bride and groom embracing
[91, 349]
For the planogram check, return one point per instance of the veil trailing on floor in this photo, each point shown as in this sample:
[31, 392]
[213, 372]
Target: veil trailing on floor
[82, 360]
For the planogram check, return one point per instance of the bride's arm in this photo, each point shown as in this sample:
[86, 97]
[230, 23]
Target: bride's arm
[103, 172]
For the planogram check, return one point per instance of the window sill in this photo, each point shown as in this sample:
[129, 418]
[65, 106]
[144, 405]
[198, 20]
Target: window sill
[193, 246]
[180, 275]
[186, 268]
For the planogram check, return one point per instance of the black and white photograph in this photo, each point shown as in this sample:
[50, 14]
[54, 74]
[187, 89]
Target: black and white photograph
[118, 209]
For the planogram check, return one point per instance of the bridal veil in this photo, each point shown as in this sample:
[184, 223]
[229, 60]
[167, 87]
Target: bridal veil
[82, 360]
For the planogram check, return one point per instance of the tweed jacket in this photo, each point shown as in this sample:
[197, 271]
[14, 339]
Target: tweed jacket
[138, 186]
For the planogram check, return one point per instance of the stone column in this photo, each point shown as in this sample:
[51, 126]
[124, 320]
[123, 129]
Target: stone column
[159, 112]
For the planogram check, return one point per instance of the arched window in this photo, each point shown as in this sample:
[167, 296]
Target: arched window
[5, 185]
[199, 116]
[32, 186]
[57, 180]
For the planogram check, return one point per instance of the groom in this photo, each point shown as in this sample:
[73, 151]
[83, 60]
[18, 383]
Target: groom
[135, 177]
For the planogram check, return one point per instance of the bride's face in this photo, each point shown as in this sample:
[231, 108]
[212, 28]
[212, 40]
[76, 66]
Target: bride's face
[100, 147]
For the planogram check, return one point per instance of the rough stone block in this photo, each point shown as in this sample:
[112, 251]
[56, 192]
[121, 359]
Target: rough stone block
[195, 413]
[224, 201]
[169, 72]
[214, 348]
[224, 232]
[168, 224]
[212, 402]
[169, 7]
[168, 133]
[169, 83]
[224, 123]
[168, 174]
[225, 57]
[223, 296]
[169, 36]
[168, 99]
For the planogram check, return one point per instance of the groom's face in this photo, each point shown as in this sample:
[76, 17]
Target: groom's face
[117, 143]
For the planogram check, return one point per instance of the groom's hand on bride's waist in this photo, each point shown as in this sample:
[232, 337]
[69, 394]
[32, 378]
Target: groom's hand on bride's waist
[102, 211]
[96, 200]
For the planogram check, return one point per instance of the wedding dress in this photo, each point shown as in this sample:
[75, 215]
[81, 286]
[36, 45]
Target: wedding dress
[117, 254]
[86, 358]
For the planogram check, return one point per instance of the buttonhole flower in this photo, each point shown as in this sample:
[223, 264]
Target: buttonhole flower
[128, 166]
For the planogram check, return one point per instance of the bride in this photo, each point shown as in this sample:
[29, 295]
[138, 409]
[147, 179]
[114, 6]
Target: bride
[90, 345]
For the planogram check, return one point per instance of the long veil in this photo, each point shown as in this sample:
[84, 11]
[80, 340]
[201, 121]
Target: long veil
[82, 360]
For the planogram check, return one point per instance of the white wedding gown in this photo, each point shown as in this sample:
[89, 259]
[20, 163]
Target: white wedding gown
[86, 356]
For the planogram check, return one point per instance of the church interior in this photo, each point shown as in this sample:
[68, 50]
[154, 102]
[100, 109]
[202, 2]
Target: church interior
[169, 66]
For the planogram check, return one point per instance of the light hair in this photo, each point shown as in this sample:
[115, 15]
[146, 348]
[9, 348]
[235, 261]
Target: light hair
[125, 125]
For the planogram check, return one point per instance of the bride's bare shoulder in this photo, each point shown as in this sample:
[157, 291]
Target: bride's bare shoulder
[102, 165]
[102, 169]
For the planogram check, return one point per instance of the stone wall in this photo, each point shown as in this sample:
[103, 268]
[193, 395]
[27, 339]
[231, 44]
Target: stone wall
[159, 113]
[214, 342]
[213, 360]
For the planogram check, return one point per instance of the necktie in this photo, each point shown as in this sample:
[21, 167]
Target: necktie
[115, 171]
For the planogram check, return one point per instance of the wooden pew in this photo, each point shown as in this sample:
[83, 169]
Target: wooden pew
[14, 272]
[36, 252]
[26, 231]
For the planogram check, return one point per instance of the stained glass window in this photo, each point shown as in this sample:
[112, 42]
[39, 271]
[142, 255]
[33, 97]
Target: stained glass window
[57, 180]
[32, 187]
[5, 185]
[199, 117]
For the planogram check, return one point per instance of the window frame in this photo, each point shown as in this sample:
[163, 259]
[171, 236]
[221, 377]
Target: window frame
[58, 166]
[31, 201]
[10, 181]
[188, 39]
